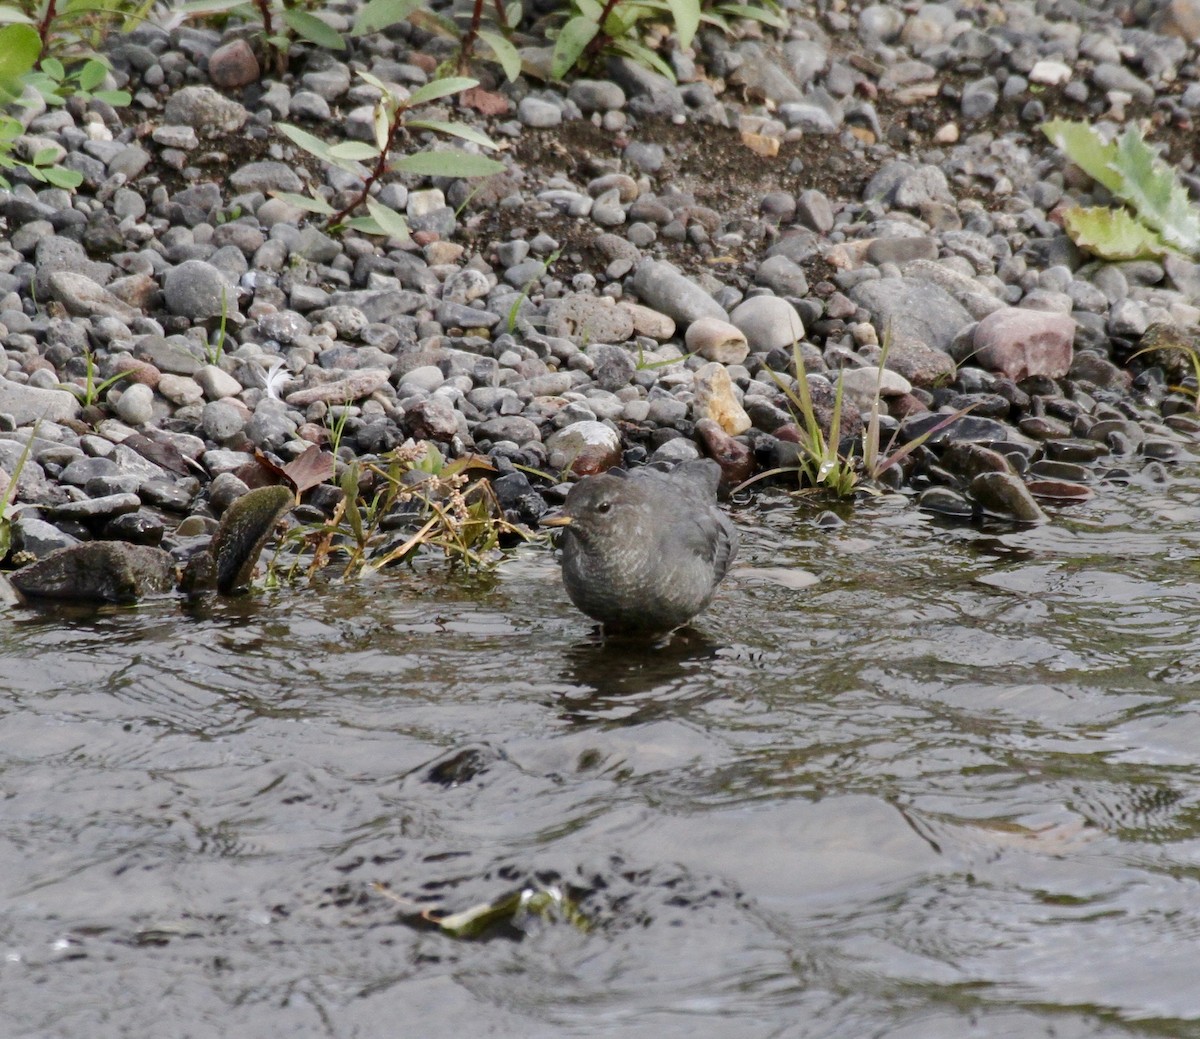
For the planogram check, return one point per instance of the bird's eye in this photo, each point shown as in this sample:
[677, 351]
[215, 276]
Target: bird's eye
[604, 506]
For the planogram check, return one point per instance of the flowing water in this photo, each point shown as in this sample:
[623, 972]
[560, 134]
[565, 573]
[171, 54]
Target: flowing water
[950, 790]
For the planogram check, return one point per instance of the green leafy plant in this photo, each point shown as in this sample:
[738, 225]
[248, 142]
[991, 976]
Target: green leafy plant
[56, 83]
[335, 423]
[1157, 216]
[616, 27]
[280, 21]
[21, 47]
[515, 310]
[508, 17]
[392, 126]
[214, 349]
[70, 28]
[92, 390]
[820, 464]
[42, 165]
[433, 502]
[9, 493]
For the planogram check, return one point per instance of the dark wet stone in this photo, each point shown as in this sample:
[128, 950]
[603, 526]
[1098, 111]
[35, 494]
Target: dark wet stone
[1059, 492]
[735, 458]
[98, 571]
[518, 498]
[1161, 450]
[1075, 450]
[966, 427]
[138, 528]
[1006, 495]
[968, 460]
[1048, 469]
[945, 502]
[35, 539]
[92, 509]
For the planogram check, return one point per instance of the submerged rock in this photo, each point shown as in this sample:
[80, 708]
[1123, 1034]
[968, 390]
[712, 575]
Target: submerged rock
[228, 563]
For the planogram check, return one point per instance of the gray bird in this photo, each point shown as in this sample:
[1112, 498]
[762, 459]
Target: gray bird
[645, 550]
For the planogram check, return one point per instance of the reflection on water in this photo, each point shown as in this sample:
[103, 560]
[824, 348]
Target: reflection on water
[952, 789]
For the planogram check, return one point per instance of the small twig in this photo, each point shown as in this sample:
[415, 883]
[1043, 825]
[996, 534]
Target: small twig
[467, 47]
[44, 25]
[601, 38]
[381, 167]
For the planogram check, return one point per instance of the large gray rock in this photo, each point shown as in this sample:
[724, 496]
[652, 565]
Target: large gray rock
[661, 286]
[98, 571]
[912, 308]
[206, 111]
[768, 323]
[27, 404]
[197, 290]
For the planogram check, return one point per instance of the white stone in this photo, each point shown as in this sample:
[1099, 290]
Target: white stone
[1051, 73]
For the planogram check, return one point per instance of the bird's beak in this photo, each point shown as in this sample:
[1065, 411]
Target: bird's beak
[555, 521]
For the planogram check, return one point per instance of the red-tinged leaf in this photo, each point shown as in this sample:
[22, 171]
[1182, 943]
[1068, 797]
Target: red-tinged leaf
[310, 469]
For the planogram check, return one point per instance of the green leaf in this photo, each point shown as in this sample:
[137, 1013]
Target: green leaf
[434, 89]
[60, 177]
[1155, 191]
[1086, 148]
[1112, 234]
[643, 55]
[575, 36]
[382, 128]
[19, 50]
[53, 68]
[355, 151]
[504, 52]
[312, 145]
[379, 14]
[758, 14]
[448, 164]
[116, 98]
[310, 27]
[512, 15]
[622, 18]
[687, 19]
[202, 7]
[45, 156]
[11, 15]
[91, 75]
[590, 9]
[309, 203]
[467, 133]
[365, 224]
[388, 219]
[375, 81]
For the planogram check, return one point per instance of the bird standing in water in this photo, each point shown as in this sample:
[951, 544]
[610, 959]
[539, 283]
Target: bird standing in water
[644, 551]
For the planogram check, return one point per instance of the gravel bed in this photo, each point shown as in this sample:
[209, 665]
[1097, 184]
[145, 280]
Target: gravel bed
[623, 292]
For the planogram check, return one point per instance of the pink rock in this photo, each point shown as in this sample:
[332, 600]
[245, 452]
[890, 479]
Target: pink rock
[585, 447]
[1180, 18]
[735, 458]
[233, 65]
[1019, 343]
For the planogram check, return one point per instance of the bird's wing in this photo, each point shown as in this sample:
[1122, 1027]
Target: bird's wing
[725, 545]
